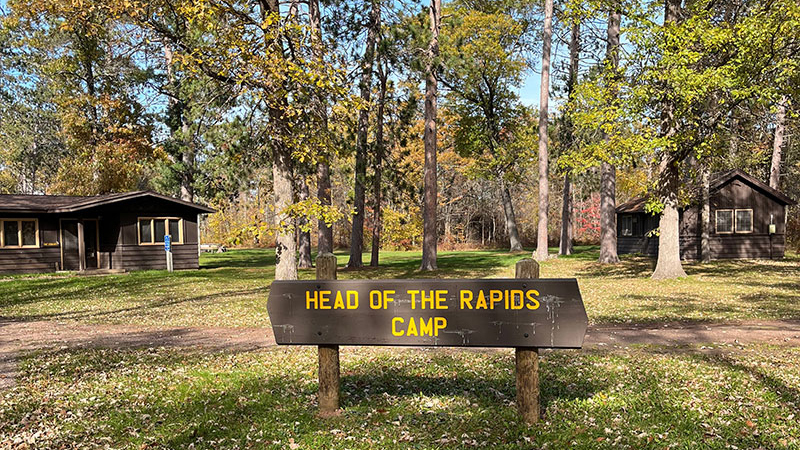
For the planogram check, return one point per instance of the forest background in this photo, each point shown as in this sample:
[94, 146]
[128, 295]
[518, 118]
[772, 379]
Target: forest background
[349, 117]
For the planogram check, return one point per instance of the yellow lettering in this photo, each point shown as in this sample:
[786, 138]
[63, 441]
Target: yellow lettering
[495, 296]
[426, 328]
[533, 303]
[481, 303]
[372, 303]
[439, 323]
[413, 295]
[352, 299]
[387, 298]
[339, 302]
[412, 329]
[466, 299]
[314, 299]
[323, 302]
[514, 304]
[428, 300]
[395, 331]
[440, 299]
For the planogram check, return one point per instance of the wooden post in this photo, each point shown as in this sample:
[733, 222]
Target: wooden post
[328, 354]
[527, 360]
[81, 247]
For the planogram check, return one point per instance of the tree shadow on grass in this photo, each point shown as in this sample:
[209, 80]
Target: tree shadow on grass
[252, 258]
[473, 264]
[630, 266]
[172, 400]
[147, 306]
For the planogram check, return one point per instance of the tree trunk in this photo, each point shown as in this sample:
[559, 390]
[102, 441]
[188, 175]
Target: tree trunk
[304, 247]
[359, 201]
[566, 238]
[608, 214]
[565, 243]
[324, 231]
[285, 247]
[376, 211]
[511, 219]
[544, 97]
[705, 219]
[187, 160]
[429, 228]
[608, 173]
[174, 103]
[777, 145]
[669, 246]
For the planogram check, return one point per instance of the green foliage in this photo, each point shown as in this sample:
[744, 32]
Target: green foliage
[401, 230]
[84, 83]
[483, 60]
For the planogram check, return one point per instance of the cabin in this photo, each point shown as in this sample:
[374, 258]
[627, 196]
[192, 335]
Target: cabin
[113, 232]
[748, 220]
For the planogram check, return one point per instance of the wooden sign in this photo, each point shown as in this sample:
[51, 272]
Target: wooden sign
[541, 313]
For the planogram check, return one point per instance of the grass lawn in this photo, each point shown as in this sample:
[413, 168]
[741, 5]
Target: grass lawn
[231, 289]
[655, 398]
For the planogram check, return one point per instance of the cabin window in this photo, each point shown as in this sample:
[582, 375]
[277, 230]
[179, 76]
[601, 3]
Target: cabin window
[744, 220]
[153, 229]
[17, 233]
[628, 225]
[724, 221]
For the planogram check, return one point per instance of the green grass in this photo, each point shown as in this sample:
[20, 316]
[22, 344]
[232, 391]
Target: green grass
[396, 399]
[231, 289]
[639, 398]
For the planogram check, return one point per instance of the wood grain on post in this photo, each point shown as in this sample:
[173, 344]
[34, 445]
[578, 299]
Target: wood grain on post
[328, 354]
[527, 360]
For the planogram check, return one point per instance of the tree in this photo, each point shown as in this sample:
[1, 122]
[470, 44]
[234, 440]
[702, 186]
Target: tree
[483, 56]
[85, 65]
[569, 141]
[544, 97]
[383, 78]
[608, 196]
[430, 234]
[325, 230]
[365, 86]
[777, 144]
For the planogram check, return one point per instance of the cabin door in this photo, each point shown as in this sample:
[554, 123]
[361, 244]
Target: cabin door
[77, 255]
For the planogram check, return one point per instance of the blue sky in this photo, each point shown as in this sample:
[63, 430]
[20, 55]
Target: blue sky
[529, 90]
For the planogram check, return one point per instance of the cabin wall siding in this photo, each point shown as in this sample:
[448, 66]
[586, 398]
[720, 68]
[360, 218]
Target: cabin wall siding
[153, 257]
[45, 258]
[736, 194]
[118, 239]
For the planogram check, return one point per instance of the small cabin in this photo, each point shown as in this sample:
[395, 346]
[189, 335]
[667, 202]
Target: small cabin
[125, 231]
[748, 220]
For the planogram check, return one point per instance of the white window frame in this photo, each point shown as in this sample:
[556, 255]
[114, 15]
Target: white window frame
[629, 217]
[19, 232]
[736, 221]
[733, 221]
[176, 240]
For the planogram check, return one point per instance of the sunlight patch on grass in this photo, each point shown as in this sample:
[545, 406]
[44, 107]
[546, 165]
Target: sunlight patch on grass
[648, 397]
[231, 289]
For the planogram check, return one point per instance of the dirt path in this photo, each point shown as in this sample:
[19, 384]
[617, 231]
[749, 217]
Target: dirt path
[23, 336]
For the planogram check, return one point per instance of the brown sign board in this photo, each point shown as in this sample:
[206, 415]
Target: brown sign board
[542, 313]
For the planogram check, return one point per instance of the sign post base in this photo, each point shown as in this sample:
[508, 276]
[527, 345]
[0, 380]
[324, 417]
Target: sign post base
[328, 354]
[527, 360]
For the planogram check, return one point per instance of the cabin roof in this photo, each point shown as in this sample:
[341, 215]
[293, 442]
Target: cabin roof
[717, 180]
[632, 205]
[67, 203]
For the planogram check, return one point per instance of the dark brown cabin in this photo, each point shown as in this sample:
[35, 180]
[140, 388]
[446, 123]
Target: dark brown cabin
[748, 220]
[46, 233]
